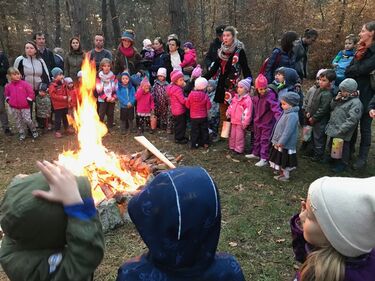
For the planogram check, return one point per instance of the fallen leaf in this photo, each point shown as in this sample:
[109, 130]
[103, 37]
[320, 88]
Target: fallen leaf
[233, 244]
[236, 160]
[259, 232]
[280, 240]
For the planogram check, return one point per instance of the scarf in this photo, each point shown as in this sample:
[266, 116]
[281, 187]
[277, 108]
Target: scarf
[106, 78]
[361, 50]
[127, 52]
[159, 51]
[226, 51]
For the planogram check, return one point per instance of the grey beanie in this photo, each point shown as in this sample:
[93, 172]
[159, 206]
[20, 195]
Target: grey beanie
[348, 85]
[56, 71]
[291, 98]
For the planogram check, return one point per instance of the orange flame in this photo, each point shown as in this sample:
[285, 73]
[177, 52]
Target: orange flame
[102, 167]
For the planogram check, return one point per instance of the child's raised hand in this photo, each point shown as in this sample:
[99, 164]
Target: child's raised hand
[62, 183]
[372, 113]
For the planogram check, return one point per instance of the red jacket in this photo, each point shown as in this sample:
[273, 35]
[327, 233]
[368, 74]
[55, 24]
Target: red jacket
[199, 104]
[176, 96]
[17, 93]
[145, 101]
[59, 95]
[73, 94]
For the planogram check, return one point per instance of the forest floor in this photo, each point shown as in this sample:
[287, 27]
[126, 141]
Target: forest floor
[255, 208]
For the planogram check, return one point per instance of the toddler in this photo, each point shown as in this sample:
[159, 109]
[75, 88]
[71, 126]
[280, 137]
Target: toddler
[126, 97]
[162, 105]
[147, 54]
[344, 58]
[214, 113]
[145, 105]
[43, 106]
[190, 58]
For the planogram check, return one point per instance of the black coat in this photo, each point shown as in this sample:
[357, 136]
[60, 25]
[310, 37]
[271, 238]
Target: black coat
[4, 65]
[211, 55]
[49, 59]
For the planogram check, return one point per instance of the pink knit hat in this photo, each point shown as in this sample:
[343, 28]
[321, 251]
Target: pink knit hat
[197, 71]
[175, 75]
[261, 82]
[144, 82]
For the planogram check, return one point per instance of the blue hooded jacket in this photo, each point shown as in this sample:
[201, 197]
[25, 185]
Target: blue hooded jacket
[125, 93]
[178, 216]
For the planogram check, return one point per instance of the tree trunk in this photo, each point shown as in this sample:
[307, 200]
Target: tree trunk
[104, 20]
[58, 23]
[178, 18]
[115, 22]
[78, 15]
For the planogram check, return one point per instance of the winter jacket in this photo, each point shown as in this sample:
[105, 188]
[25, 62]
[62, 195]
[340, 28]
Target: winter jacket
[73, 94]
[319, 108]
[360, 70]
[344, 118]
[278, 59]
[72, 64]
[211, 55]
[356, 269]
[98, 56]
[145, 101]
[33, 70]
[285, 131]
[106, 86]
[43, 106]
[59, 61]
[157, 62]
[307, 101]
[178, 216]
[266, 110]
[199, 104]
[126, 94]
[240, 110]
[190, 58]
[131, 65]
[59, 95]
[168, 63]
[4, 65]
[230, 74]
[49, 58]
[300, 51]
[342, 60]
[176, 96]
[18, 93]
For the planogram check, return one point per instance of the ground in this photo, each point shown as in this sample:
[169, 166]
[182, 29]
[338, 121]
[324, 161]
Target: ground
[255, 208]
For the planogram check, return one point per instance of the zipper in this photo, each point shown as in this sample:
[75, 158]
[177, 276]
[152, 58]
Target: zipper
[32, 64]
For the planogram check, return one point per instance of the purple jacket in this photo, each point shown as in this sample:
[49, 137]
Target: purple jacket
[356, 269]
[266, 109]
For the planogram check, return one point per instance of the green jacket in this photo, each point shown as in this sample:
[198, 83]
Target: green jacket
[319, 108]
[42, 242]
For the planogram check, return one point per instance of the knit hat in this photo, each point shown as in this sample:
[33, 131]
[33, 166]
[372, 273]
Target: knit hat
[348, 85]
[43, 87]
[197, 72]
[345, 211]
[79, 73]
[144, 82]
[261, 82]
[189, 45]
[220, 29]
[146, 43]
[56, 71]
[175, 75]
[291, 98]
[201, 83]
[162, 72]
[320, 71]
[68, 80]
[246, 83]
[128, 34]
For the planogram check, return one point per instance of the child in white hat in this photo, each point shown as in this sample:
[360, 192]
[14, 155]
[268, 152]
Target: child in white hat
[162, 107]
[333, 236]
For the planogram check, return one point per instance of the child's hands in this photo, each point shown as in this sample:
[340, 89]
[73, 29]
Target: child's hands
[129, 105]
[62, 183]
[279, 145]
[372, 113]
[311, 120]
[69, 98]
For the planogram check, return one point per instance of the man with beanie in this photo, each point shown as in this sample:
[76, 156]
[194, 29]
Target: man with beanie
[211, 55]
[199, 104]
[346, 112]
[99, 53]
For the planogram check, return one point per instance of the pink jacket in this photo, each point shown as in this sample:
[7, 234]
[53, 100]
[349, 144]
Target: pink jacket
[190, 59]
[199, 103]
[17, 93]
[176, 96]
[145, 101]
[240, 110]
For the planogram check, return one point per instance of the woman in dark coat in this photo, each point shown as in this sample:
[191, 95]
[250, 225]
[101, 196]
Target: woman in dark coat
[73, 60]
[359, 69]
[127, 57]
[174, 57]
[158, 60]
[231, 62]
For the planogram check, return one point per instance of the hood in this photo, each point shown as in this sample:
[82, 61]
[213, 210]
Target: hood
[292, 109]
[178, 217]
[291, 76]
[197, 96]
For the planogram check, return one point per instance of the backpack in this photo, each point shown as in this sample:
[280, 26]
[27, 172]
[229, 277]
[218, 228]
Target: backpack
[262, 69]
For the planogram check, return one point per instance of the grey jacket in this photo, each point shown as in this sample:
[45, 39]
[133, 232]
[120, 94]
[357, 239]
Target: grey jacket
[344, 118]
[300, 51]
[285, 131]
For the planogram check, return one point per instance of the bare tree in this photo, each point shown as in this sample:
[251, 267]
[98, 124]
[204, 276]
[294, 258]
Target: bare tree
[115, 22]
[104, 20]
[78, 14]
[57, 23]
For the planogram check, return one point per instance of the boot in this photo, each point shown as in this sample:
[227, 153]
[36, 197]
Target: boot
[339, 167]
[362, 158]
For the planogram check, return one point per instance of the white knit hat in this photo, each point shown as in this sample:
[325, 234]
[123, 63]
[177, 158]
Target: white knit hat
[162, 72]
[345, 211]
[146, 43]
[201, 83]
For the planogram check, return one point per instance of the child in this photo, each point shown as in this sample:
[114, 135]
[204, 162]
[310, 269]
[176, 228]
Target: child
[190, 58]
[182, 247]
[332, 235]
[178, 109]
[147, 54]
[18, 93]
[126, 97]
[283, 158]
[344, 58]
[60, 100]
[346, 112]
[318, 111]
[214, 114]
[266, 112]
[106, 87]
[199, 104]
[43, 106]
[240, 112]
[162, 107]
[145, 105]
[73, 96]
[52, 229]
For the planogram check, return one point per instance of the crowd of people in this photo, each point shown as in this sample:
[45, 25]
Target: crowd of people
[164, 88]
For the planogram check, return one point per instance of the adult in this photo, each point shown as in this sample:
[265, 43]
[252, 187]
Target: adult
[175, 56]
[301, 49]
[359, 69]
[215, 45]
[232, 63]
[73, 59]
[33, 70]
[127, 56]
[45, 53]
[4, 65]
[158, 60]
[58, 54]
[99, 53]
[282, 56]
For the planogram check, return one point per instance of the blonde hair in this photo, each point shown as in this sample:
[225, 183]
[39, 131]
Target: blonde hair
[12, 70]
[105, 61]
[323, 264]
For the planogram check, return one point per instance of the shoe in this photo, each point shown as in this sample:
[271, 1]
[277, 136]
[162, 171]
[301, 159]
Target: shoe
[205, 146]
[22, 137]
[251, 156]
[8, 132]
[183, 141]
[339, 168]
[35, 134]
[49, 127]
[283, 179]
[359, 164]
[58, 135]
[261, 163]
